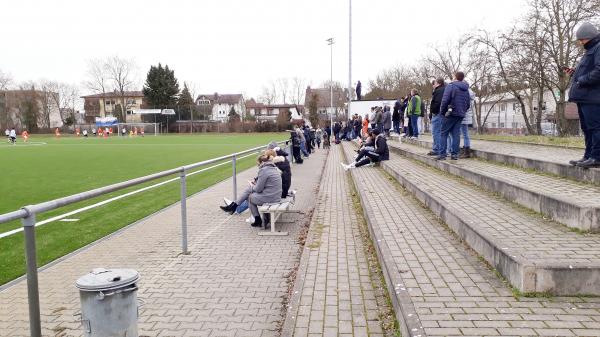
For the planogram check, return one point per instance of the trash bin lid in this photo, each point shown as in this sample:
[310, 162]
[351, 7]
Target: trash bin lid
[100, 279]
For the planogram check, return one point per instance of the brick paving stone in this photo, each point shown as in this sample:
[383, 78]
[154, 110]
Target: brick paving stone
[518, 233]
[342, 291]
[404, 228]
[232, 283]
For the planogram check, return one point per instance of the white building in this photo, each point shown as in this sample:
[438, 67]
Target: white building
[504, 114]
[271, 112]
[221, 105]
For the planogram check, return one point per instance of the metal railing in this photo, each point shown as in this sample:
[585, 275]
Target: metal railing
[28, 214]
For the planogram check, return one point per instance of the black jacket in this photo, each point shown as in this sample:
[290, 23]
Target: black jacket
[585, 86]
[381, 148]
[436, 100]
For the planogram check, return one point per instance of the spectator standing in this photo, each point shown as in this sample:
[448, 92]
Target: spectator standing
[585, 91]
[318, 136]
[455, 104]
[336, 131]
[365, 127]
[359, 91]
[379, 119]
[387, 121]
[464, 127]
[434, 112]
[396, 116]
[414, 112]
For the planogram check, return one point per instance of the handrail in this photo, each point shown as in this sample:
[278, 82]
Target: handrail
[28, 216]
[71, 199]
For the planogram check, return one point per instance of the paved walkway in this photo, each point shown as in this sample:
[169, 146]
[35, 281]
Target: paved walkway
[334, 293]
[442, 286]
[232, 284]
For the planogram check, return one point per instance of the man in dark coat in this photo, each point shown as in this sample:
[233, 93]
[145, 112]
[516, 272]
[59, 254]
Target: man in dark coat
[396, 116]
[358, 91]
[455, 103]
[284, 166]
[434, 114]
[585, 91]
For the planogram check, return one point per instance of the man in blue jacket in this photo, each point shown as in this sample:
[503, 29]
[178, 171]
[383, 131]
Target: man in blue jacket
[455, 103]
[585, 91]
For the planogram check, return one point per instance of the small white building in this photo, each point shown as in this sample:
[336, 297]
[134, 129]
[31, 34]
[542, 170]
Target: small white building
[221, 105]
[271, 112]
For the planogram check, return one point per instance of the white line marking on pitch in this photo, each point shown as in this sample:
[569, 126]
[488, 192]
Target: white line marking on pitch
[104, 202]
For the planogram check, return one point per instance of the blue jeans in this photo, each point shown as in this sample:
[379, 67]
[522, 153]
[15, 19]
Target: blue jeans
[414, 123]
[241, 208]
[464, 129]
[450, 126]
[590, 125]
[303, 148]
[436, 132]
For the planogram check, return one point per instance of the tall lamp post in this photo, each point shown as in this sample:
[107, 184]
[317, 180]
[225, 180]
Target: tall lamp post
[349, 56]
[330, 42]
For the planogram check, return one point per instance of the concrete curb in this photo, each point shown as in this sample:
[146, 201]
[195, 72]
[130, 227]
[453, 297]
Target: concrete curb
[559, 209]
[562, 170]
[410, 324]
[291, 315]
[555, 278]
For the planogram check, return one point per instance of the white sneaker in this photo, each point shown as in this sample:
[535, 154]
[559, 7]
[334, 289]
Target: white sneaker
[345, 167]
[250, 219]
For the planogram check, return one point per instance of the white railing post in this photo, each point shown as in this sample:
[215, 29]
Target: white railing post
[32, 275]
[184, 241]
[234, 176]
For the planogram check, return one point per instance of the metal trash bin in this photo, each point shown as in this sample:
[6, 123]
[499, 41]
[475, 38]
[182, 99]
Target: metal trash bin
[109, 306]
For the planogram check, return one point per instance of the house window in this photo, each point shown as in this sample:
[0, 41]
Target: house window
[501, 125]
[131, 101]
[494, 125]
[203, 102]
[108, 102]
[515, 125]
[503, 107]
[130, 112]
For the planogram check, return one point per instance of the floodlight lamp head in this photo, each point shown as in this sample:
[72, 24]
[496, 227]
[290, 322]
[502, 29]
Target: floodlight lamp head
[330, 41]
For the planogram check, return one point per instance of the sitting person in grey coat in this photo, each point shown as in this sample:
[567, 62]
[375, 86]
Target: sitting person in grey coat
[265, 188]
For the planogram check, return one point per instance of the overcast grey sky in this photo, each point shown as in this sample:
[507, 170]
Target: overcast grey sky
[233, 46]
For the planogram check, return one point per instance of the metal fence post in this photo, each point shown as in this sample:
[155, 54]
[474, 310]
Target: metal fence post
[290, 155]
[184, 243]
[32, 276]
[234, 176]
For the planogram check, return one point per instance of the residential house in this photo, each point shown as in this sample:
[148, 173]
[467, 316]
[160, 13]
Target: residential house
[103, 105]
[502, 112]
[271, 112]
[14, 103]
[219, 105]
[325, 106]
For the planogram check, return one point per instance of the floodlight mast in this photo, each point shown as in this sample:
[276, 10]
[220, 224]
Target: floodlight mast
[330, 42]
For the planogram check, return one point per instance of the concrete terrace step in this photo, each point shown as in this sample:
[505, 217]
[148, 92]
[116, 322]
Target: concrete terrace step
[547, 159]
[535, 255]
[440, 288]
[574, 204]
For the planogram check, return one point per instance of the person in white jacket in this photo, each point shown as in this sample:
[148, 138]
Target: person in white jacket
[464, 127]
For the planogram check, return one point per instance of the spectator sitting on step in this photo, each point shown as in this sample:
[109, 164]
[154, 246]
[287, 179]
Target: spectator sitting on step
[265, 188]
[369, 155]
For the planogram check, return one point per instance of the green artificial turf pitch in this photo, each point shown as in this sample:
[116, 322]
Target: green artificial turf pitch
[50, 168]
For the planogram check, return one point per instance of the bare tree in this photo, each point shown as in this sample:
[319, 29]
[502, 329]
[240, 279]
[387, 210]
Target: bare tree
[283, 87]
[122, 73]
[269, 94]
[450, 58]
[558, 19]
[298, 90]
[5, 80]
[97, 78]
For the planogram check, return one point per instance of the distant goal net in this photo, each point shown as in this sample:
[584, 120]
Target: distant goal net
[138, 129]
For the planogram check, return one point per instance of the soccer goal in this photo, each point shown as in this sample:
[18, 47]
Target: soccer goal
[127, 129]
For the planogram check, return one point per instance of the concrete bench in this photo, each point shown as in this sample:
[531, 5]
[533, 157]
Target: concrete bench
[276, 210]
